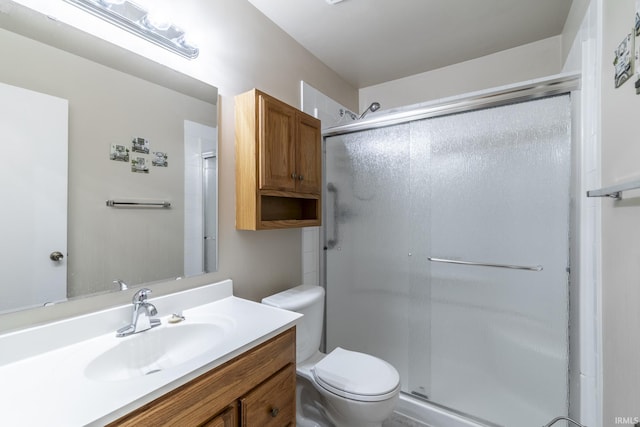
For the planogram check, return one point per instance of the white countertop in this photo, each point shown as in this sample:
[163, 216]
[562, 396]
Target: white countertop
[43, 383]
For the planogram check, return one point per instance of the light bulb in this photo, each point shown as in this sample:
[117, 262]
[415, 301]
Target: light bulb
[157, 21]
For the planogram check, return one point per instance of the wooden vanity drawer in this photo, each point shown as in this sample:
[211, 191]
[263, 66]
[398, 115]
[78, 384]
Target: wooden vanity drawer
[272, 403]
[226, 419]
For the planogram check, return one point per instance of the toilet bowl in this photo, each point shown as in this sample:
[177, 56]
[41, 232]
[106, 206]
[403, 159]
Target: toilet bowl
[342, 388]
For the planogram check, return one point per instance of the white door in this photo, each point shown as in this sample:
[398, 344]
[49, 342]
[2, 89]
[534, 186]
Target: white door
[200, 198]
[33, 196]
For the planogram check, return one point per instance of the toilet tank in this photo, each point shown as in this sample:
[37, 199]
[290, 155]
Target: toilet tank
[309, 301]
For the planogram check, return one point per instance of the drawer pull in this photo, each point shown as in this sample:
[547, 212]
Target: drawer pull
[275, 412]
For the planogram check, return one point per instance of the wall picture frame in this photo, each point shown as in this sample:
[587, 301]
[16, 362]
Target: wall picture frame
[624, 60]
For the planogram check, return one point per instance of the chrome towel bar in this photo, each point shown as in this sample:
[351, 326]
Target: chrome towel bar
[615, 191]
[484, 264]
[140, 204]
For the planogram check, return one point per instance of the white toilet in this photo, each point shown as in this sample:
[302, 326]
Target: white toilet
[343, 388]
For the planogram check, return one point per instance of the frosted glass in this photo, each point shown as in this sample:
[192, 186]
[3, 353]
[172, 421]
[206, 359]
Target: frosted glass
[367, 271]
[488, 186]
[500, 194]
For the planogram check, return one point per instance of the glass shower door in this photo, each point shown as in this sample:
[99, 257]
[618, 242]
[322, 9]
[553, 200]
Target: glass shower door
[500, 185]
[488, 186]
[367, 271]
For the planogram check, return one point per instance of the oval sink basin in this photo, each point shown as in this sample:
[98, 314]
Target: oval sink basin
[155, 350]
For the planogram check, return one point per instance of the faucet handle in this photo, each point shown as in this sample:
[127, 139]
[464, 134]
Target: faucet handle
[123, 286]
[141, 295]
[152, 309]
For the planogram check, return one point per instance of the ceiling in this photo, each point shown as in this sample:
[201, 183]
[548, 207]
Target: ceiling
[373, 41]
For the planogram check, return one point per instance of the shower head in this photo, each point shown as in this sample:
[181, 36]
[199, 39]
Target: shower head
[375, 106]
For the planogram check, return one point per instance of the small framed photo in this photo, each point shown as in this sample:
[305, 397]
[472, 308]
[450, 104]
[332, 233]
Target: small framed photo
[119, 153]
[140, 145]
[139, 165]
[624, 60]
[159, 159]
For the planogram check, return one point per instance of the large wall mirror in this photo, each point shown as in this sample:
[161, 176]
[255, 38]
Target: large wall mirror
[83, 122]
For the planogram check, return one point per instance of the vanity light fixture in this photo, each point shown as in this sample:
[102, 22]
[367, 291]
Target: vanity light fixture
[135, 19]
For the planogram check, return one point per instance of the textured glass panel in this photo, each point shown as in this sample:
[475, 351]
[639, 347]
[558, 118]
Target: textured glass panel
[500, 194]
[367, 269]
[487, 186]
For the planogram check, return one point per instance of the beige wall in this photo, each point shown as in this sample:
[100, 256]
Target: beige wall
[244, 50]
[534, 60]
[256, 53]
[620, 227]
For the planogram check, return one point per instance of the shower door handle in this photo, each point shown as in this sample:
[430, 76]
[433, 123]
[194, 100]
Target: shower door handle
[331, 243]
[486, 264]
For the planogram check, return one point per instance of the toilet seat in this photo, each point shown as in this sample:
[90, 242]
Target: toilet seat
[356, 376]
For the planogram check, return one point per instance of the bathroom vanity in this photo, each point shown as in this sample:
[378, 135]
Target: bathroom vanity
[259, 385]
[230, 362]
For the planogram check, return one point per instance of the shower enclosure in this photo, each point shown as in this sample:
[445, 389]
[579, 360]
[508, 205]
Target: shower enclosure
[446, 253]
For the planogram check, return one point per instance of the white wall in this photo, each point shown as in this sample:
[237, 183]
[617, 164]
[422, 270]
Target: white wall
[534, 60]
[620, 227]
[319, 105]
[574, 26]
[581, 36]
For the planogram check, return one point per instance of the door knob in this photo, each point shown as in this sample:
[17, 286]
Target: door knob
[56, 256]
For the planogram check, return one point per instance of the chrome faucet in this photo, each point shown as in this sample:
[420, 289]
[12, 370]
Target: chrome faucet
[142, 312]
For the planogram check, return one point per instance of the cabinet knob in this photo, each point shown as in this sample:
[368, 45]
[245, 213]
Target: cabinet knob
[275, 412]
[294, 175]
[300, 177]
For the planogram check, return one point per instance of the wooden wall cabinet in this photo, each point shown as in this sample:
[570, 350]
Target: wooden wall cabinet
[278, 164]
[254, 389]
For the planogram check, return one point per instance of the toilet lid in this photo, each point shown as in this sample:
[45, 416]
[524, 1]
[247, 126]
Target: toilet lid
[356, 376]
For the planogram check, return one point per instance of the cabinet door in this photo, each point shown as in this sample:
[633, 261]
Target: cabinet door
[277, 145]
[272, 403]
[309, 156]
[225, 419]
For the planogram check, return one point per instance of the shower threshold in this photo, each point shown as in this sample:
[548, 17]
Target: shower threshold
[417, 406]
